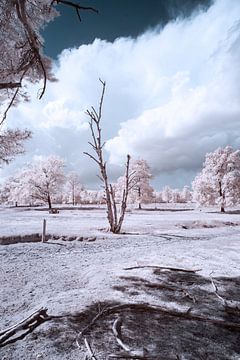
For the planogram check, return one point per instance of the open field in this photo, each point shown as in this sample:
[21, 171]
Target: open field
[81, 269]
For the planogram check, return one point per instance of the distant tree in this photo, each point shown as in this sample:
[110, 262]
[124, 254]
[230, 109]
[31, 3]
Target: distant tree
[140, 191]
[186, 194]
[17, 190]
[45, 178]
[219, 180]
[157, 195]
[176, 196]
[167, 194]
[73, 187]
[40, 181]
[114, 217]
[93, 197]
[11, 144]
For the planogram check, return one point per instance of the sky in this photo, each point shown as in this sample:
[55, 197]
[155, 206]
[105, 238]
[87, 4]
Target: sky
[172, 75]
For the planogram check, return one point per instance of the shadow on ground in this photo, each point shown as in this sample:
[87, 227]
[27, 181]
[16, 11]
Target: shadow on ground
[207, 330]
[164, 335]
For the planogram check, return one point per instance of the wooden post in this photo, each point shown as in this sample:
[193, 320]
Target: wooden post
[44, 231]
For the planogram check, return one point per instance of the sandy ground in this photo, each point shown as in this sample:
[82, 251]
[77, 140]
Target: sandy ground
[67, 277]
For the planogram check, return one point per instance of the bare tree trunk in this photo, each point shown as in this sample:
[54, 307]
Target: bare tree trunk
[49, 202]
[73, 196]
[139, 199]
[125, 196]
[222, 196]
[97, 146]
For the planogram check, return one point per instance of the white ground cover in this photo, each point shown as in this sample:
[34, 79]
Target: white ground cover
[66, 277]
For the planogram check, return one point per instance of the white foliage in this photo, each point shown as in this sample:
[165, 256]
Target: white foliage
[21, 44]
[73, 188]
[40, 182]
[167, 194]
[219, 181]
[140, 191]
[11, 144]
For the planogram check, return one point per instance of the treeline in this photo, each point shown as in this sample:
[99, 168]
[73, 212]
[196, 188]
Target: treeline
[45, 182]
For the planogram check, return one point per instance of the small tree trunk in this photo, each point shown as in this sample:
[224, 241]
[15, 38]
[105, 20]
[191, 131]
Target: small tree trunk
[139, 199]
[49, 202]
[222, 195]
[44, 231]
[73, 196]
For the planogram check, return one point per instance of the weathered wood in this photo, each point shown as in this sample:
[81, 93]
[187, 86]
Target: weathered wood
[117, 326]
[44, 231]
[27, 324]
[97, 145]
[128, 352]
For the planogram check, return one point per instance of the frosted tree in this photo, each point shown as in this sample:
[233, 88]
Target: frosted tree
[219, 180]
[157, 196]
[140, 189]
[73, 188]
[186, 195]
[167, 194]
[45, 179]
[176, 196]
[17, 189]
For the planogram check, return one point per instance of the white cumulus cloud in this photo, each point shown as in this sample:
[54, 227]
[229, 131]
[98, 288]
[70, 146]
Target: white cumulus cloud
[172, 95]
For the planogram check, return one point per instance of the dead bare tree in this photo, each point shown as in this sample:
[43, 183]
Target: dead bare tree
[115, 218]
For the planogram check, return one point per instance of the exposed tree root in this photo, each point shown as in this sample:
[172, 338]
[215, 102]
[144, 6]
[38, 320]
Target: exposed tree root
[128, 352]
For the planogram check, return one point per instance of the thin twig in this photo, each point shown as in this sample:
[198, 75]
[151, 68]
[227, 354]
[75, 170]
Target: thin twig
[89, 349]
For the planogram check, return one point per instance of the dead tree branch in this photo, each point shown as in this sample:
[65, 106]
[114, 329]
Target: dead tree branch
[117, 331]
[115, 220]
[223, 301]
[128, 352]
[89, 349]
[24, 327]
[75, 6]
